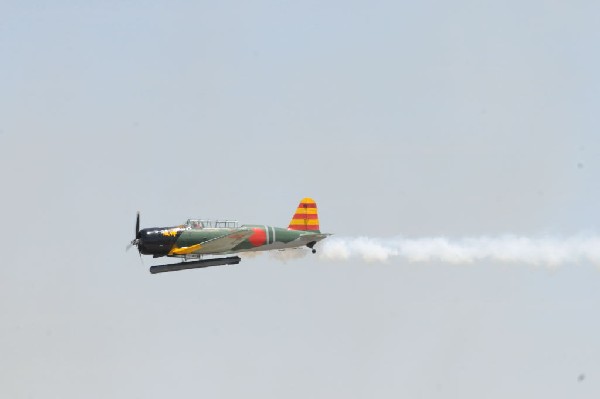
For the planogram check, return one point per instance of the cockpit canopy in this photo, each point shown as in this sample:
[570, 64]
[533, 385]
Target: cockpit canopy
[211, 224]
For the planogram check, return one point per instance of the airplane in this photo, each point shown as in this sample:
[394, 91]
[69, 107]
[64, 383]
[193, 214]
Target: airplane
[200, 237]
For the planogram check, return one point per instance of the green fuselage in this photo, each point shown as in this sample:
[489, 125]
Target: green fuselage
[185, 241]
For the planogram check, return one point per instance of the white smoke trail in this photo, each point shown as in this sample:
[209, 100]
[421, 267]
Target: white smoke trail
[249, 255]
[546, 251]
[289, 254]
[281, 255]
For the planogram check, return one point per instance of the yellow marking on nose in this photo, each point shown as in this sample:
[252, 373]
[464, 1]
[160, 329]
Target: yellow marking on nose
[184, 250]
[169, 233]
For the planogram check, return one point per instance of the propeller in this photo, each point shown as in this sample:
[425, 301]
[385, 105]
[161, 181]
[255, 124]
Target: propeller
[136, 240]
[137, 226]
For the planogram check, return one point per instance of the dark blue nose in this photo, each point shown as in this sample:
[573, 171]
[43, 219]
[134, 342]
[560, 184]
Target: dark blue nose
[157, 241]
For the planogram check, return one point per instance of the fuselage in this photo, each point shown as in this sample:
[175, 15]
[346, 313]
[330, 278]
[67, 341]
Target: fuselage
[178, 240]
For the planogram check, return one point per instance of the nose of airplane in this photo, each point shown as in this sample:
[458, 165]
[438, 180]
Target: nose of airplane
[157, 241]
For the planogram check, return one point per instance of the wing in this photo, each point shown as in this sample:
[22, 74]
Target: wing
[224, 243]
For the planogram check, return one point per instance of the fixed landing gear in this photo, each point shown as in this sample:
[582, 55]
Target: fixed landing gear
[311, 246]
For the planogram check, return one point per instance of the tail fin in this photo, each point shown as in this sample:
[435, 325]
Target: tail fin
[306, 217]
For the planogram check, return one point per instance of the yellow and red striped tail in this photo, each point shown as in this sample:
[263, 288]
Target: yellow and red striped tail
[306, 217]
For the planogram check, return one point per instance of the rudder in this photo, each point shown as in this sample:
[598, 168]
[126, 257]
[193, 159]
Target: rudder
[306, 217]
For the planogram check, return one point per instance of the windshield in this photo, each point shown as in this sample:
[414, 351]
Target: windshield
[211, 224]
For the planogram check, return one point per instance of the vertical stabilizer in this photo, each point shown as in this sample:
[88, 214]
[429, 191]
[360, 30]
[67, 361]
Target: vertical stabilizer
[306, 217]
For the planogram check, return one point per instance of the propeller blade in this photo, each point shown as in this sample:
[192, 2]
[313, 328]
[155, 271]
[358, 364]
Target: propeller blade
[137, 226]
[135, 242]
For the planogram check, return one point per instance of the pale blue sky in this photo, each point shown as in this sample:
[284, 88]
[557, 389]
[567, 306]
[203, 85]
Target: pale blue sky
[405, 119]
